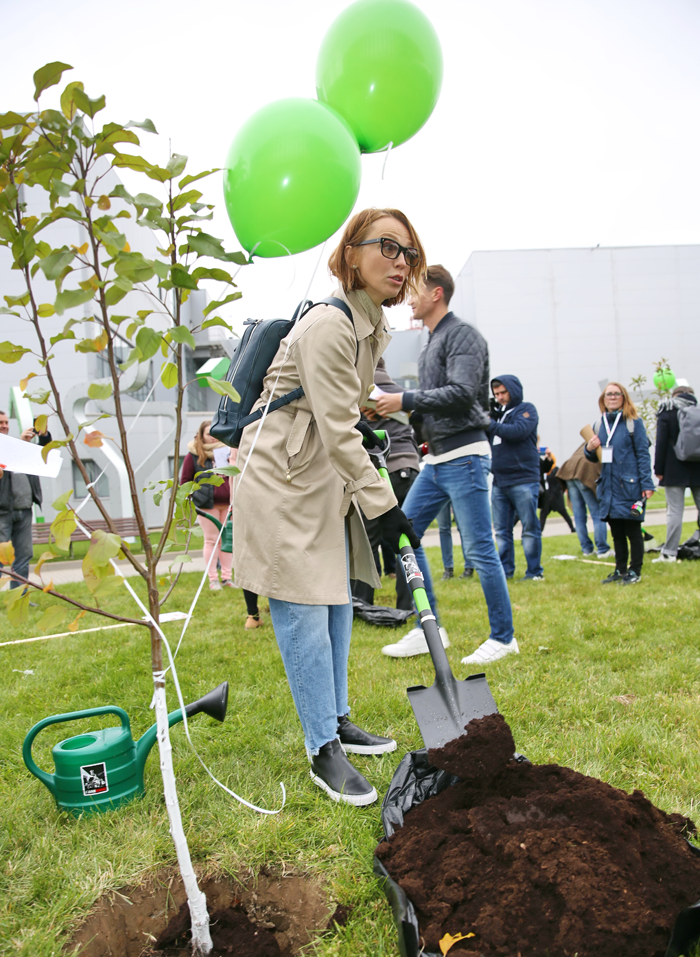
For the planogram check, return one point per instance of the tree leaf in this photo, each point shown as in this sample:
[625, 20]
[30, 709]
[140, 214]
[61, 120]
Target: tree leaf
[143, 125]
[44, 557]
[45, 449]
[182, 334]
[54, 616]
[134, 267]
[7, 553]
[45, 310]
[93, 439]
[205, 245]
[62, 500]
[103, 202]
[63, 527]
[147, 341]
[216, 321]
[168, 375]
[11, 353]
[148, 201]
[72, 297]
[193, 179]
[221, 387]
[97, 390]
[48, 75]
[176, 164]
[103, 546]
[204, 272]
[8, 120]
[210, 307]
[74, 625]
[53, 265]
[88, 105]
[18, 609]
[184, 199]
[67, 103]
[23, 382]
[41, 422]
[180, 277]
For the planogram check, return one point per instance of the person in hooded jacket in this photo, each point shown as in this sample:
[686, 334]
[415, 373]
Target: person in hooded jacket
[675, 476]
[516, 475]
[625, 481]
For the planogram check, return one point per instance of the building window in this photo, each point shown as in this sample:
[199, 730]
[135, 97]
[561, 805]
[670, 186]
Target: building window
[93, 470]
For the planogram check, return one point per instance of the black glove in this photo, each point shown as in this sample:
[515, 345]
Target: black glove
[368, 433]
[494, 407]
[393, 524]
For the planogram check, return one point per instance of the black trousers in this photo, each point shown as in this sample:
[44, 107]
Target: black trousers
[623, 529]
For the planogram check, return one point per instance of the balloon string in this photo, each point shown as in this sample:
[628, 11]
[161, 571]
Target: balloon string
[388, 150]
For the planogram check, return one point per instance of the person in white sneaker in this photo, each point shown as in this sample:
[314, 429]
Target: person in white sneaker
[673, 474]
[453, 397]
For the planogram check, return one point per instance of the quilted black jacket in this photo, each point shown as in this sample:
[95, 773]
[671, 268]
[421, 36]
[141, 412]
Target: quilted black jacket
[453, 372]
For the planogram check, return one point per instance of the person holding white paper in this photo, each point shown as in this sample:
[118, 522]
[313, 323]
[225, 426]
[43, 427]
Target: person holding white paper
[625, 481]
[18, 493]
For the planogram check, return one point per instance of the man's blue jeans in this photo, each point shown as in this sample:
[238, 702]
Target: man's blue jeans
[464, 482]
[582, 496]
[314, 641]
[518, 501]
[444, 520]
[16, 526]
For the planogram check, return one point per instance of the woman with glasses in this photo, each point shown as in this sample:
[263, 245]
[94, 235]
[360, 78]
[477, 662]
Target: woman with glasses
[298, 534]
[625, 481]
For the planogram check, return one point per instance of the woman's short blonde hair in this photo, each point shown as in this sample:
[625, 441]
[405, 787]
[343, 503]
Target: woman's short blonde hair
[629, 409]
[355, 231]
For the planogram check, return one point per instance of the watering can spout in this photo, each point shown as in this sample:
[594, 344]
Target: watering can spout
[214, 704]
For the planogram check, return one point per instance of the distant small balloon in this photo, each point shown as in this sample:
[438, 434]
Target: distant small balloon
[380, 67]
[292, 177]
[664, 380]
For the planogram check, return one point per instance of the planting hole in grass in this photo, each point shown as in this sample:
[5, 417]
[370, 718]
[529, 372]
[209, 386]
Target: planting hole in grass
[263, 917]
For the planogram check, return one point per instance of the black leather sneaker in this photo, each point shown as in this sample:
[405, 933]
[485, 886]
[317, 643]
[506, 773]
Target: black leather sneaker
[467, 573]
[448, 573]
[332, 772]
[631, 578]
[613, 579]
[357, 741]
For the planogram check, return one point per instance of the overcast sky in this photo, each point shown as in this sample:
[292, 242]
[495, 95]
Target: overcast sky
[560, 123]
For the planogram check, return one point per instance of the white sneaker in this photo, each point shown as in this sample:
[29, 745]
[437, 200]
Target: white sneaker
[413, 643]
[491, 650]
[663, 558]
[215, 585]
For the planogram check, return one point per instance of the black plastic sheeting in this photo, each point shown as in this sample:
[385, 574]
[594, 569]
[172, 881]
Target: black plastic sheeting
[415, 780]
[379, 614]
[690, 550]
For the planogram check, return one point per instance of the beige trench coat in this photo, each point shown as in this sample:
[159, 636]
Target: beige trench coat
[308, 465]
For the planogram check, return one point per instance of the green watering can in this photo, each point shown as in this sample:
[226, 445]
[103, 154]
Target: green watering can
[100, 770]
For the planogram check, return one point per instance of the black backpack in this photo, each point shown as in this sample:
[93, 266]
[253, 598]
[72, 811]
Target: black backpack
[251, 360]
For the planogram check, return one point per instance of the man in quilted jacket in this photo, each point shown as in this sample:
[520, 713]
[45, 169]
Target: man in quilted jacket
[453, 398]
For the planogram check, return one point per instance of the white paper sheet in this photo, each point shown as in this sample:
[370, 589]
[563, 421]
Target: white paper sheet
[19, 456]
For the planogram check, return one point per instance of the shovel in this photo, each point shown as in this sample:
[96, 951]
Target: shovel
[443, 709]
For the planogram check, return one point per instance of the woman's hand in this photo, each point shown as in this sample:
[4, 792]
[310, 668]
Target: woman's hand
[648, 492]
[593, 443]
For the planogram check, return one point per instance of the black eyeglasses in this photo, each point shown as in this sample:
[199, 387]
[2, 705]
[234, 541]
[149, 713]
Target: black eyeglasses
[392, 250]
[612, 395]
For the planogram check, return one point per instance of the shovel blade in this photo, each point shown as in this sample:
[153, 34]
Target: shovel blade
[445, 708]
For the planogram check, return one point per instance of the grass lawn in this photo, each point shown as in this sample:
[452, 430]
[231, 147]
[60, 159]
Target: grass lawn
[583, 648]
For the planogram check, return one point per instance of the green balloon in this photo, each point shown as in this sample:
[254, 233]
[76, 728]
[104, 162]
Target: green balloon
[292, 177]
[664, 379]
[380, 66]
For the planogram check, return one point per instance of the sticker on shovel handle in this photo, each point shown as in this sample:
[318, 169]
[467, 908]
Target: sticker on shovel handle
[94, 779]
[410, 567]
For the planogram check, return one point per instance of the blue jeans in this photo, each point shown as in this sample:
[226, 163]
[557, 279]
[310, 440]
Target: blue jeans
[464, 483]
[582, 496]
[444, 520]
[314, 641]
[518, 501]
[16, 526]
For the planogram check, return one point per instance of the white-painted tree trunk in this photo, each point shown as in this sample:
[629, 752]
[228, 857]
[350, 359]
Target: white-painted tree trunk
[197, 901]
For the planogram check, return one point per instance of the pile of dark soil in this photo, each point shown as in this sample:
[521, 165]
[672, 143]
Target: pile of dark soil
[538, 860]
[232, 932]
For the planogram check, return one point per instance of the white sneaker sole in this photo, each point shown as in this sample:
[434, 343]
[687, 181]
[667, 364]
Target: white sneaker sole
[368, 748]
[357, 800]
[397, 651]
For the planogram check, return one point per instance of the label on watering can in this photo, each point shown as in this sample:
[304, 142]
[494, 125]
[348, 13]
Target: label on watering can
[94, 779]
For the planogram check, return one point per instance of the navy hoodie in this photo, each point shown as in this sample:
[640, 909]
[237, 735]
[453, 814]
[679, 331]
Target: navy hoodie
[516, 460]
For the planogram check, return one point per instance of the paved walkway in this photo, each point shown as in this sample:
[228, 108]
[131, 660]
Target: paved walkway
[63, 572]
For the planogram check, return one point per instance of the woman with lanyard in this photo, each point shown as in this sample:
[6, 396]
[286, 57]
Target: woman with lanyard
[625, 481]
[298, 533]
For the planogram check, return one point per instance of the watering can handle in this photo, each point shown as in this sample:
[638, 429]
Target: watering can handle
[57, 719]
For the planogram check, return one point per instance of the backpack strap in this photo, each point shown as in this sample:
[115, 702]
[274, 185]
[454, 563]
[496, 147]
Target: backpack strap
[297, 393]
